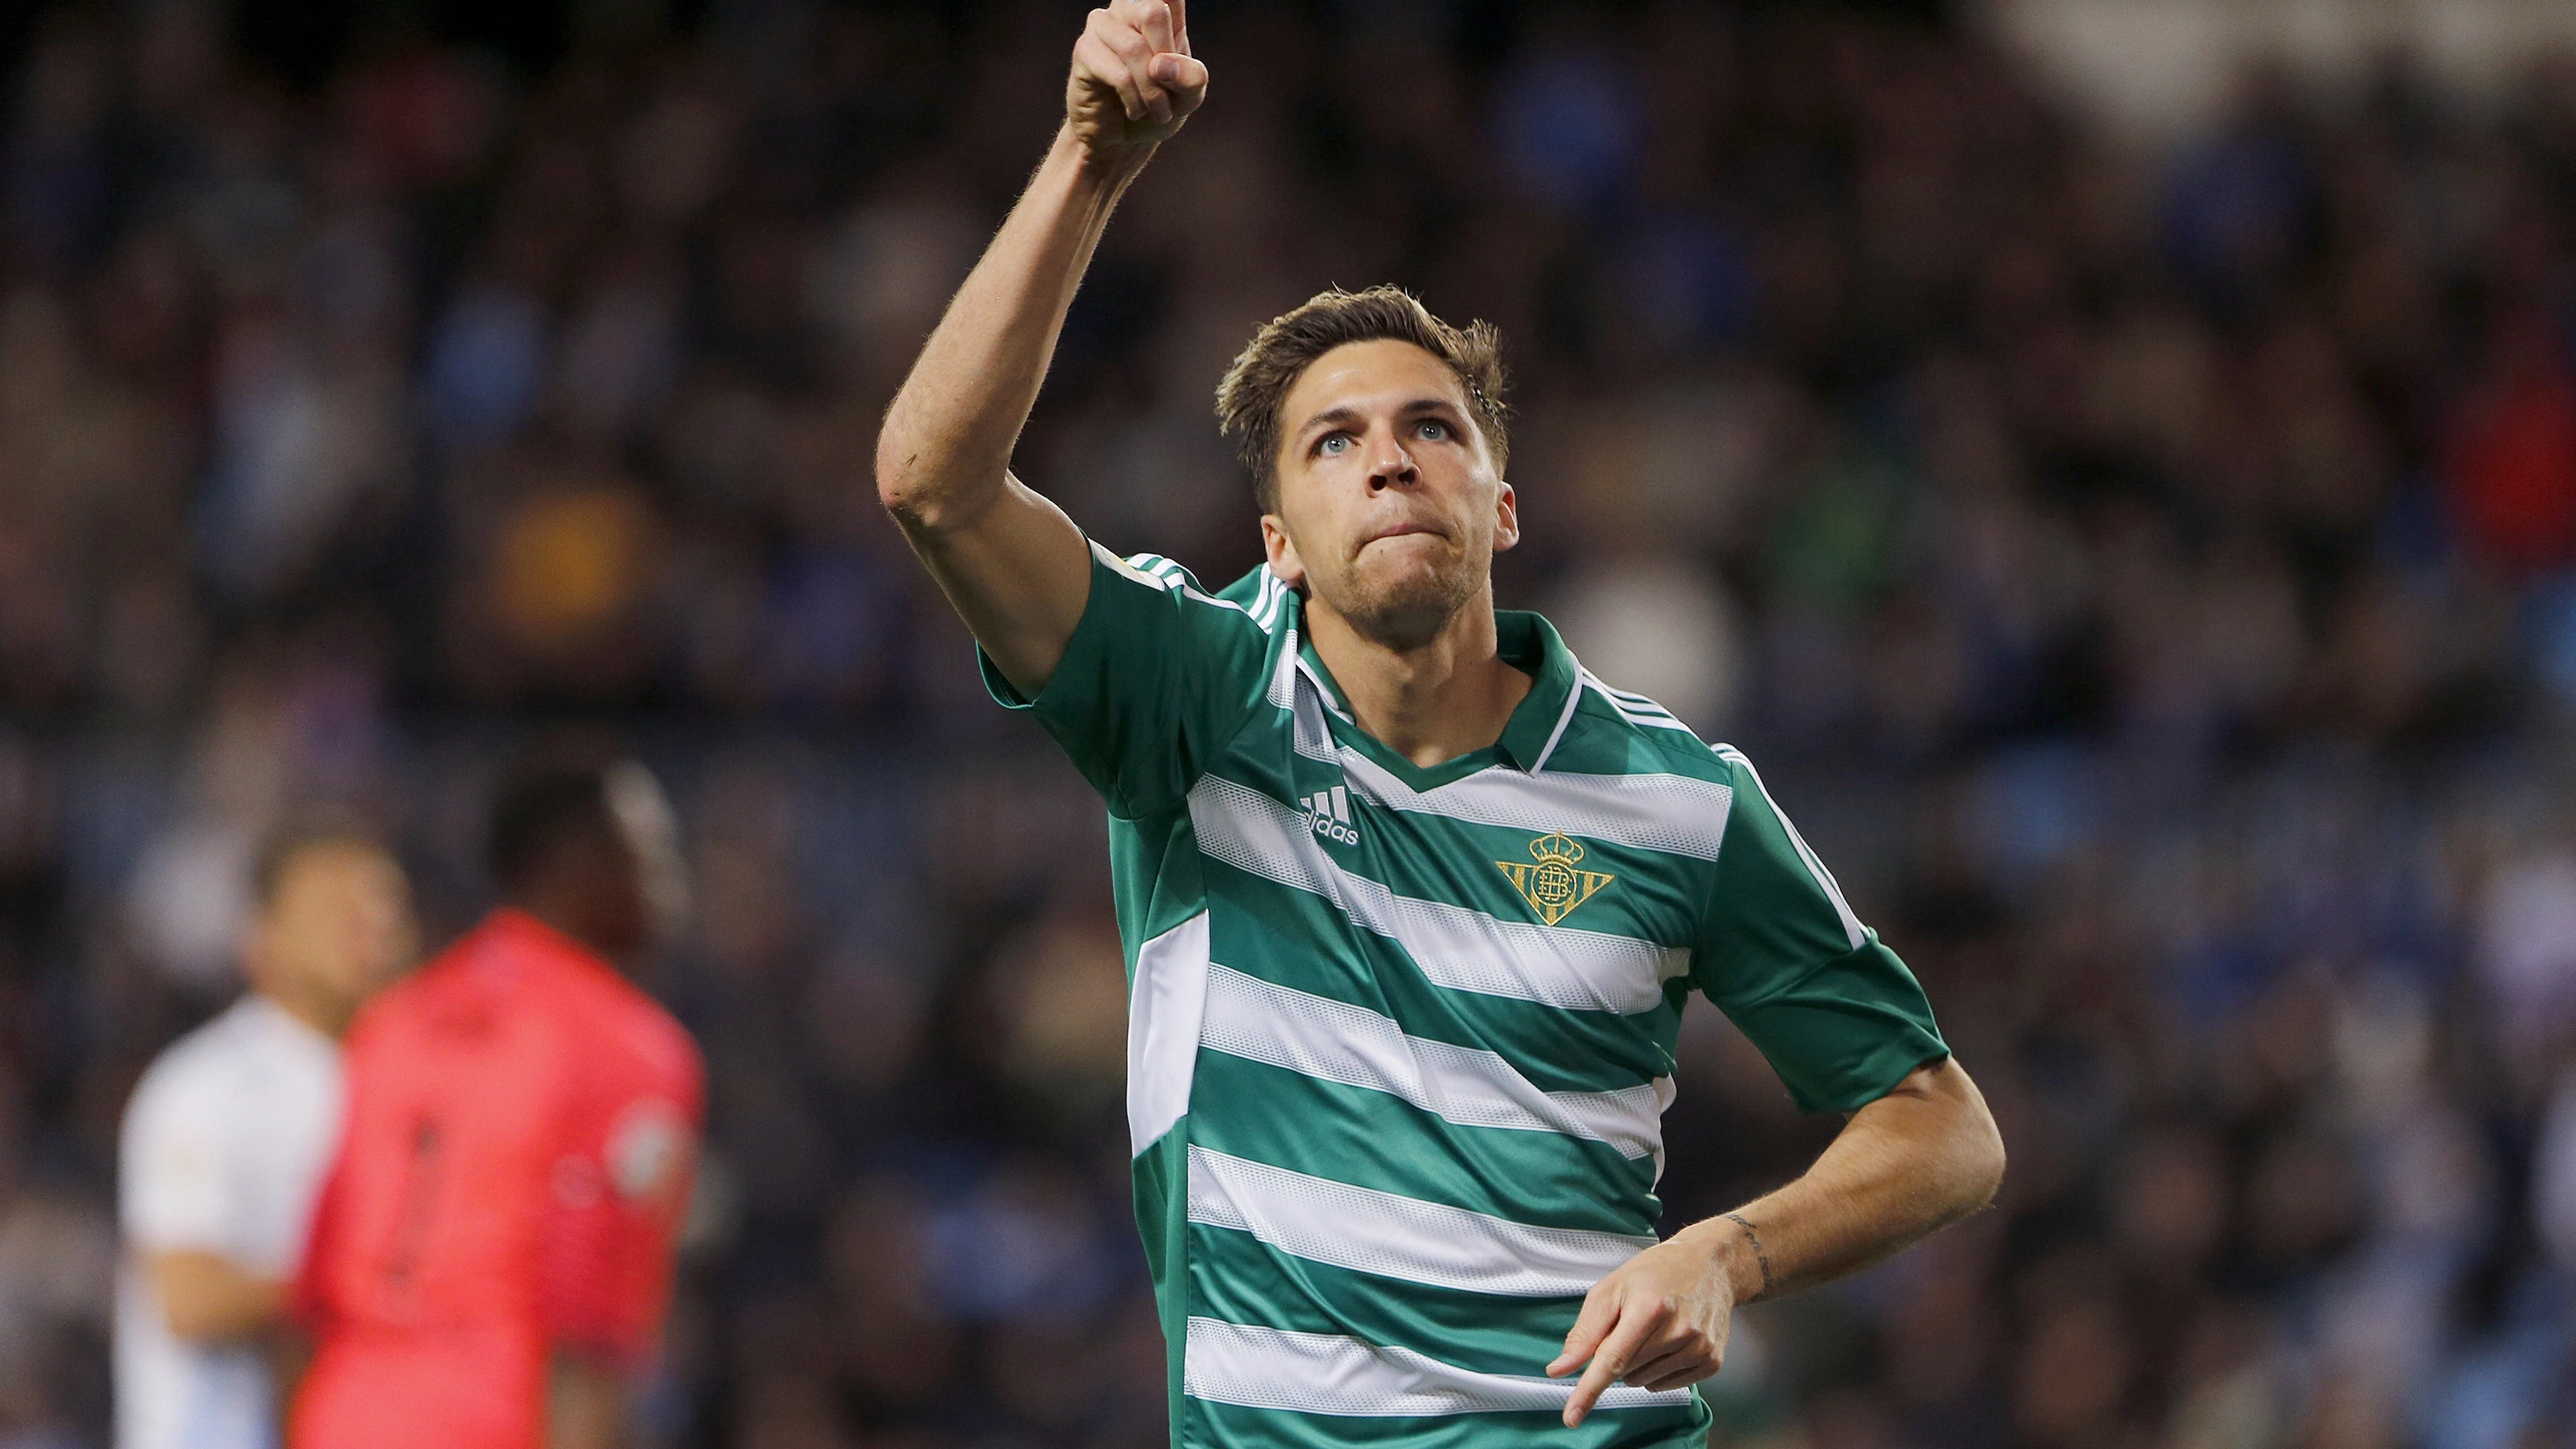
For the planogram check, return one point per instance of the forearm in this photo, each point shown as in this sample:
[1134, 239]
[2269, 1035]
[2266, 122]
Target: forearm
[944, 453]
[206, 1299]
[1906, 1165]
[585, 1403]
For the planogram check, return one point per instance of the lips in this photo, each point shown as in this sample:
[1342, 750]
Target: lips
[1401, 530]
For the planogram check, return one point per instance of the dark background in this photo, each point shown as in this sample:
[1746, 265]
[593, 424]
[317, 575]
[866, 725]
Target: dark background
[2143, 569]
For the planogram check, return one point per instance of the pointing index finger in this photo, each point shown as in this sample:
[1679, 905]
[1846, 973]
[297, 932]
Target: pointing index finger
[1181, 26]
[1608, 1362]
[1600, 1314]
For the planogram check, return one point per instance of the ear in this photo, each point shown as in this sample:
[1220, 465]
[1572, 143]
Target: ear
[1282, 551]
[1507, 516]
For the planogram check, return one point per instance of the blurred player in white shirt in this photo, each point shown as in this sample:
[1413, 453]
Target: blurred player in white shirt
[226, 1141]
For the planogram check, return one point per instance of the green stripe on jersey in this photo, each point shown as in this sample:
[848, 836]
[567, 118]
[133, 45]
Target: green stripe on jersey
[1461, 861]
[1377, 1140]
[1400, 1038]
[1300, 940]
[1208, 1423]
[1338, 1377]
[1632, 1429]
[1240, 1279]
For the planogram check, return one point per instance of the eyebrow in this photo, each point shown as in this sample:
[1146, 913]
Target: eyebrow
[1345, 416]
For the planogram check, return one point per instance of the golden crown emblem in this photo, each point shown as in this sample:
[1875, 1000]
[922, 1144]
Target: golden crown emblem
[1556, 845]
[1549, 880]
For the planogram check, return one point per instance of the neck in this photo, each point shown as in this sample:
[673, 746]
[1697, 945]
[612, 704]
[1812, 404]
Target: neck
[1431, 702]
[566, 915]
[325, 1014]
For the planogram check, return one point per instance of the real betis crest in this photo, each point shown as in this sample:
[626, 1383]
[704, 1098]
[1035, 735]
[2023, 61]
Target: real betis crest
[1553, 886]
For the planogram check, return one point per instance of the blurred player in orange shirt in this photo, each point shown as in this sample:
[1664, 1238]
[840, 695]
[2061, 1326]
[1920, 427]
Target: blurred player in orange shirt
[491, 1258]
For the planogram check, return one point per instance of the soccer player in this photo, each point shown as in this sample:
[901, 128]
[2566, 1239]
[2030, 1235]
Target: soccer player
[227, 1138]
[492, 1256]
[1411, 901]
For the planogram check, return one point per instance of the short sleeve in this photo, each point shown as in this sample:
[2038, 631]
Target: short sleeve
[174, 1190]
[1157, 676]
[1839, 1017]
[621, 1183]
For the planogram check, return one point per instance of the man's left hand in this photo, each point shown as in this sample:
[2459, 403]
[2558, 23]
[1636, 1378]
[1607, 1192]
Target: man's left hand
[1659, 1322]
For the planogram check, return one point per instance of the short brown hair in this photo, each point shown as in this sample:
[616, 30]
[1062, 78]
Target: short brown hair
[1256, 386]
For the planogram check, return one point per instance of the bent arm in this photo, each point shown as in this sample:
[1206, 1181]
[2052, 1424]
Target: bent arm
[1910, 1163]
[208, 1299]
[1013, 565]
[1010, 561]
[1924, 1155]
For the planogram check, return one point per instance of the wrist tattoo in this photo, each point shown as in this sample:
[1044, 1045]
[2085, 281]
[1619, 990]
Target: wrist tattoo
[1761, 1259]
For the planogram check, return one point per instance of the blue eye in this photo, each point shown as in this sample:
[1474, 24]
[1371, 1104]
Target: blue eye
[1333, 443]
[1434, 429]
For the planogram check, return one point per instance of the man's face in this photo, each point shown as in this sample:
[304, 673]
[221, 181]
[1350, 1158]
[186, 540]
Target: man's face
[1389, 511]
[338, 925]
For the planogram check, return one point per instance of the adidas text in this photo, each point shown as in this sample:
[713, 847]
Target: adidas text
[1328, 813]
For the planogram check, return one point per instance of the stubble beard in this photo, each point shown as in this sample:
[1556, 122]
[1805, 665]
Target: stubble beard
[1409, 609]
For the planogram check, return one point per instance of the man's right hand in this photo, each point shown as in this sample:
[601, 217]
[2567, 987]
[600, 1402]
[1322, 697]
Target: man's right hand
[1134, 81]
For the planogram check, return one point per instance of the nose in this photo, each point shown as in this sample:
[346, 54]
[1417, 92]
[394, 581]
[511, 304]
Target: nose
[1390, 466]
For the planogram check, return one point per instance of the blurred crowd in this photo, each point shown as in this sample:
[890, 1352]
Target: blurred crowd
[2148, 574]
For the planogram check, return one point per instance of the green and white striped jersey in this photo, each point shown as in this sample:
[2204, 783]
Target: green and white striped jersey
[1400, 1039]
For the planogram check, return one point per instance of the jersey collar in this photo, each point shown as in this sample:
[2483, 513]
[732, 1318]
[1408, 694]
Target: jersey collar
[512, 937]
[268, 1014]
[1538, 723]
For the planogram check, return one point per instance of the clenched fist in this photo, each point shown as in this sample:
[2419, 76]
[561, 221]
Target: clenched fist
[1134, 81]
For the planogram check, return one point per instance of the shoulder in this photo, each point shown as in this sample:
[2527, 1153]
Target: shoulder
[192, 1078]
[1614, 731]
[1740, 772]
[659, 1043]
[622, 1031]
[1255, 602]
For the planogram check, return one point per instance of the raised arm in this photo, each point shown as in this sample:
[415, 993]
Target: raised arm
[1010, 561]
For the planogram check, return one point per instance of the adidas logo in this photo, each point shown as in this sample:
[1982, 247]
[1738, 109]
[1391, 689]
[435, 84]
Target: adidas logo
[1328, 814]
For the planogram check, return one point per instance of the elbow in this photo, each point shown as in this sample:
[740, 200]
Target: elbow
[1991, 1162]
[1961, 1150]
[915, 483]
[920, 505]
[899, 481]
[1981, 1159]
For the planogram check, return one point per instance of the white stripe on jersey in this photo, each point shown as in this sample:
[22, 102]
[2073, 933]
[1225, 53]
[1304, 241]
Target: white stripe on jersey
[1368, 1231]
[1338, 1042]
[1671, 813]
[1322, 1373]
[1454, 946]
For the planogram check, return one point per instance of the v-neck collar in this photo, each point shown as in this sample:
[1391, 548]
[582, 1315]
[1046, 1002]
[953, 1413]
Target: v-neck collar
[1537, 724]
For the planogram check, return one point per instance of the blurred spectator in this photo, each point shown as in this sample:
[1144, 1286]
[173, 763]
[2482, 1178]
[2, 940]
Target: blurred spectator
[2514, 462]
[2151, 578]
[226, 1140]
[490, 1256]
